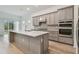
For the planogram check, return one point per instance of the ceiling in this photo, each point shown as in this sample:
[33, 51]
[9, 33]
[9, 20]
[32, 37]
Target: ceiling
[23, 9]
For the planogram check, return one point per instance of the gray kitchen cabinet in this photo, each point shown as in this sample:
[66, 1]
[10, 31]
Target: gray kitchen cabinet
[50, 21]
[53, 18]
[66, 13]
[29, 43]
[45, 47]
[34, 45]
[61, 39]
[53, 38]
[52, 28]
[35, 21]
[53, 35]
[42, 18]
[47, 19]
[53, 32]
[69, 13]
[56, 18]
[21, 42]
[66, 40]
[61, 14]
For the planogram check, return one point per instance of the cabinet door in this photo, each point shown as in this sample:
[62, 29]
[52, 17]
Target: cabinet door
[35, 45]
[42, 18]
[51, 19]
[25, 44]
[52, 28]
[46, 43]
[66, 40]
[61, 39]
[61, 14]
[53, 38]
[56, 18]
[69, 13]
[47, 19]
[36, 21]
[53, 35]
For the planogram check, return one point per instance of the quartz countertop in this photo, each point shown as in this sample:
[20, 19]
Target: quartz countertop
[31, 33]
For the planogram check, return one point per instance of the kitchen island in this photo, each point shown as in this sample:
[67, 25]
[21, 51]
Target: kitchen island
[30, 42]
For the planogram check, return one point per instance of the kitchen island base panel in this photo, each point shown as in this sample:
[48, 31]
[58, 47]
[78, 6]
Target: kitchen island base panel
[30, 45]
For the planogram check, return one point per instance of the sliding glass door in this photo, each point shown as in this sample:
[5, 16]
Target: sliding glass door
[1, 27]
[8, 25]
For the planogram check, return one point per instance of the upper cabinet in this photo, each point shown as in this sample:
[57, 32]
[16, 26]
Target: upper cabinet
[53, 18]
[66, 13]
[35, 21]
[69, 13]
[50, 21]
[47, 18]
[56, 18]
[61, 14]
[42, 18]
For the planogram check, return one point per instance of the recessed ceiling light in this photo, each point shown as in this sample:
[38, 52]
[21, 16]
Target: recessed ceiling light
[28, 9]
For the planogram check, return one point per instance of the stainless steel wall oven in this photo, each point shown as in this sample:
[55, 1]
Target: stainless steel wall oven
[65, 28]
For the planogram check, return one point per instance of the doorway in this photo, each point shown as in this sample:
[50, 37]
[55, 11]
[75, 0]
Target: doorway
[5, 27]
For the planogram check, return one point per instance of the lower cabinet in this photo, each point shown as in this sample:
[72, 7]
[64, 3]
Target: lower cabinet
[53, 35]
[35, 45]
[66, 40]
[31, 45]
[53, 38]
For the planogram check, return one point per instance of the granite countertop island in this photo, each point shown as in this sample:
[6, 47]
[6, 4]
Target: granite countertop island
[30, 42]
[31, 33]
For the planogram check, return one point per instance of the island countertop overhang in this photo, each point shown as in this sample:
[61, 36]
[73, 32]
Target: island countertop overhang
[31, 33]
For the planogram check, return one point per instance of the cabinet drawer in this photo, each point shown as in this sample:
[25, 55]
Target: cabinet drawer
[53, 38]
[66, 40]
[61, 39]
[52, 28]
[53, 33]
